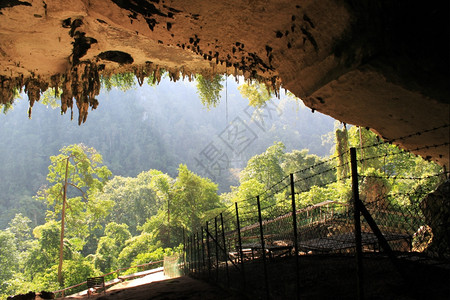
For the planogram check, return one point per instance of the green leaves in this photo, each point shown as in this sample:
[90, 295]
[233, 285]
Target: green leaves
[256, 93]
[110, 246]
[124, 81]
[134, 199]
[76, 177]
[266, 167]
[51, 97]
[8, 258]
[209, 90]
[21, 230]
[192, 196]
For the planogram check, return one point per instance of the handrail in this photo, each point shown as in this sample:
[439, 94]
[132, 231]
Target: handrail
[104, 275]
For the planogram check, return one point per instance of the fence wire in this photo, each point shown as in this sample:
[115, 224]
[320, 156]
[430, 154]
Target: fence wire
[298, 238]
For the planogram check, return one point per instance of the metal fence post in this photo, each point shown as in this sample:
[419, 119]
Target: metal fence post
[225, 249]
[198, 253]
[208, 249]
[194, 269]
[217, 250]
[192, 254]
[184, 252]
[203, 252]
[189, 256]
[241, 253]
[357, 219]
[263, 248]
[294, 224]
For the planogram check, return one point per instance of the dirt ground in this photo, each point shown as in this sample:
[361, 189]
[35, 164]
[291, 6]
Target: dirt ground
[320, 277]
[334, 277]
[177, 288]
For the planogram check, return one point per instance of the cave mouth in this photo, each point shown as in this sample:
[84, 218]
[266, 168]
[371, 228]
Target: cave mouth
[371, 65]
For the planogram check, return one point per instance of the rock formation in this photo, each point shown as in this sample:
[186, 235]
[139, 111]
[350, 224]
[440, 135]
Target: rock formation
[378, 64]
[436, 210]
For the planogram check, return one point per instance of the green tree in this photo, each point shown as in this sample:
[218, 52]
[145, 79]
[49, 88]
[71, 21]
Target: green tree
[51, 97]
[75, 271]
[133, 247]
[192, 197]
[43, 252]
[308, 169]
[8, 259]
[209, 90]
[256, 93]
[245, 194]
[21, 230]
[266, 167]
[152, 256]
[122, 81]
[135, 199]
[337, 191]
[80, 168]
[110, 246]
[342, 152]
[160, 230]
[162, 184]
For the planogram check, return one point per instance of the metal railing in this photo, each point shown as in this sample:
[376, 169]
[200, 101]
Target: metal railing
[76, 288]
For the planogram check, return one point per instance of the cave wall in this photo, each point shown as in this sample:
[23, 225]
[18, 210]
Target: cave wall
[377, 64]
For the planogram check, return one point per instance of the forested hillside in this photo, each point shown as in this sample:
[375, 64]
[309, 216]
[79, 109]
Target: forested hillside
[150, 128]
[155, 163]
[114, 222]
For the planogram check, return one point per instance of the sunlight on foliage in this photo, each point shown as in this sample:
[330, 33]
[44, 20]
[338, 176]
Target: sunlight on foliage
[51, 97]
[123, 82]
[209, 90]
[256, 93]
[127, 221]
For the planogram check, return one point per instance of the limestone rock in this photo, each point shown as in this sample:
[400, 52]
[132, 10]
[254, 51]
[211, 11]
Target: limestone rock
[378, 64]
[436, 209]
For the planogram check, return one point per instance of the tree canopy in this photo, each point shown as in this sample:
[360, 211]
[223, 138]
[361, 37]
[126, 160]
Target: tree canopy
[209, 90]
[256, 93]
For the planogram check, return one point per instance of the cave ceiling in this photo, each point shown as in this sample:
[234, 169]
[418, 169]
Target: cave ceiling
[378, 64]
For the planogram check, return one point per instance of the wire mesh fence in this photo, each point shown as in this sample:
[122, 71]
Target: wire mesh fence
[173, 265]
[310, 233]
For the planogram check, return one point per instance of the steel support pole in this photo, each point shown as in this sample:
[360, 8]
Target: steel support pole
[217, 250]
[184, 252]
[263, 248]
[225, 253]
[203, 251]
[208, 248]
[241, 253]
[294, 227]
[357, 220]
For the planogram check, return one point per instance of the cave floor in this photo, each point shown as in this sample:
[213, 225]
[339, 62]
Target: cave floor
[182, 287]
[321, 277]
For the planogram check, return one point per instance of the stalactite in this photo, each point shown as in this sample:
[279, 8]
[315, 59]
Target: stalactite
[34, 87]
[81, 83]
[8, 86]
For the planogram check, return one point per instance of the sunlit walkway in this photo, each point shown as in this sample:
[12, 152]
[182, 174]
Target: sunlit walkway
[140, 281]
[156, 286]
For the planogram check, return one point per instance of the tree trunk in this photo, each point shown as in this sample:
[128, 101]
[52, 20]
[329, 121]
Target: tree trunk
[63, 213]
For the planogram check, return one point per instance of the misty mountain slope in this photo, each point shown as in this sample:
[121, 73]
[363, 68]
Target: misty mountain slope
[150, 128]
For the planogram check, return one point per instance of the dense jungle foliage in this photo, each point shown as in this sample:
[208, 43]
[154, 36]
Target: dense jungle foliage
[131, 180]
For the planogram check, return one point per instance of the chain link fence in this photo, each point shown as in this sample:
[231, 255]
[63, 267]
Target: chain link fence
[315, 233]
